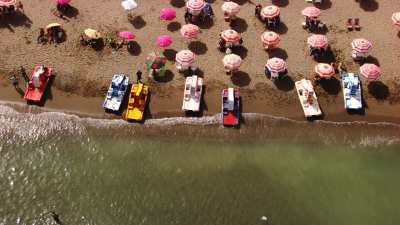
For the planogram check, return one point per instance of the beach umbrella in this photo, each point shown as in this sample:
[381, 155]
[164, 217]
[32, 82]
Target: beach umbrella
[155, 60]
[63, 2]
[190, 31]
[230, 8]
[311, 11]
[396, 18]
[276, 65]
[52, 25]
[324, 70]
[164, 41]
[195, 6]
[317, 41]
[270, 38]
[185, 57]
[7, 2]
[129, 4]
[230, 36]
[370, 71]
[167, 14]
[232, 61]
[127, 35]
[361, 45]
[91, 33]
[270, 12]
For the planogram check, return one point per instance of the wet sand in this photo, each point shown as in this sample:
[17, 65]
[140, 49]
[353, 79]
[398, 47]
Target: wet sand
[83, 75]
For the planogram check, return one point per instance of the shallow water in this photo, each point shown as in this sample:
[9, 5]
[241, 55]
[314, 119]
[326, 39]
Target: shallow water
[105, 172]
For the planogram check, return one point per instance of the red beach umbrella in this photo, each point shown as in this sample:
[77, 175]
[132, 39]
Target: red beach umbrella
[324, 70]
[164, 41]
[190, 31]
[276, 65]
[7, 2]
[317, 41]
[361, 45]
[270, 12]
[396, 18]
[311, 11]
[370, 71]
[230, 36]
[185, 57]
[270, 38]
[167, 14]
[195, 6]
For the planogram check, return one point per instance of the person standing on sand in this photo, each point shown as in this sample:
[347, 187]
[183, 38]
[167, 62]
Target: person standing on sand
[138, 76]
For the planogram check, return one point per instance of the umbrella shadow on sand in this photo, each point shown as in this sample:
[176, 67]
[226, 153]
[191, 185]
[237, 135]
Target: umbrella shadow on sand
[373, 60]
[326, 4]
[70, 12]
[278, 53]
[369, 5]
[170, 54]
[285, 83]
[280, 3]
[134, 48]
[240, 25]
[138, 22]
[240, 78]
[174, 26]
[15, 20]
[379, 90]
[331, 86]
[198, 47]
[168, 76]
[281, 29]
[177, 3]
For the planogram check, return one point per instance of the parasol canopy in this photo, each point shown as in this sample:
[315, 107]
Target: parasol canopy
[317, 41]
[164, 41]
[396, 18]
[276, 65]
[63, 2]
[91, 33]
[185, 57]
[311, 11]
[370, 71]
[190, 31]
[324, 70]
[155, 60]
[52, 25]
[361, 45]
[167, 14]
[230, 36]
[230, 8]
[7, 2]
[270, 38]
[270, 12]
[232, 61]
[195, 6]
[129, 4]
[127, 35]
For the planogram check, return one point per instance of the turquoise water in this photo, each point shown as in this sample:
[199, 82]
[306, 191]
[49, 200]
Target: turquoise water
[145, 175]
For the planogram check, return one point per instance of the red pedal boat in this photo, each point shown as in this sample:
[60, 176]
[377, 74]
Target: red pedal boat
[38, 83]
[230, 107]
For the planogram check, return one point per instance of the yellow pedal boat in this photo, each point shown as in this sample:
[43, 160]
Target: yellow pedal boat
[137, 102]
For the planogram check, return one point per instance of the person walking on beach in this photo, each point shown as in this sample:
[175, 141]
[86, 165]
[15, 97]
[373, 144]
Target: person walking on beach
[56, 218]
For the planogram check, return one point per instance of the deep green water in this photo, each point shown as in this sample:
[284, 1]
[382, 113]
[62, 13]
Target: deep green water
[129, 180]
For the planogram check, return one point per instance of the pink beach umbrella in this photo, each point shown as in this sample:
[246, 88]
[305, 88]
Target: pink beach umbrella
[164, 41]
[370, 71]
[195, 6]
[232, 62]
[167, 14]
[127, 35]
[190, 31]
[63, 2]
[185, 57]
[317, 41]
[276, 65]
[7, 2]
[324, 70]
[396, 18]
[231, 8]
[311, 11]
[270, 12]
[270, 39]
[230, 36]
[361, 45]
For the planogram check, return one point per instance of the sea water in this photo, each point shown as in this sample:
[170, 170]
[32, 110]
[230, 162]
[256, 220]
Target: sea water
[192, 171]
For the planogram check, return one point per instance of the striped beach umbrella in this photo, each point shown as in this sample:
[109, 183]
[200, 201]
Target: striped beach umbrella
[270, 38]
[195, 6]
[231, 8]
[370, 71]
[311, 11]
[317, 41]
[270, 12]
[190, 31]
[230, 36]
[232, 61]
[361, 45]
[155, 60]
[324, 70]
[276, 65]
[7, 2]
[396, 18]
[185, 57]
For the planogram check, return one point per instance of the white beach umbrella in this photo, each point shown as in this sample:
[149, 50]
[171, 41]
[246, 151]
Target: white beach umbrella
[129, 4]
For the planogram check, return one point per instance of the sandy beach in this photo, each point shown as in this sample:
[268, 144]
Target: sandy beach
[83, 74]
